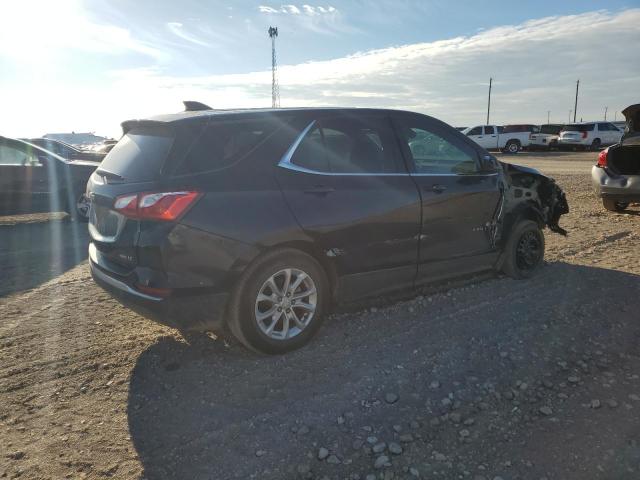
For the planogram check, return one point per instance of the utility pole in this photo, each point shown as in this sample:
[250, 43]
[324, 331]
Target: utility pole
[575, 107]
[570, 115]
[548, 116]
[489, 102]
[275, 88]
[615, 115]
[605, 113]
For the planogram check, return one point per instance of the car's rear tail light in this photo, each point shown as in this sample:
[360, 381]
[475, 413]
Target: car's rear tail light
[602, 158]
[127, 205]
[584, 134]
[163, 206]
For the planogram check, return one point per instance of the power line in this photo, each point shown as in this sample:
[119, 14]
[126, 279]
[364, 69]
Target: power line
[275, 88]
[575, 108]
[489, 101]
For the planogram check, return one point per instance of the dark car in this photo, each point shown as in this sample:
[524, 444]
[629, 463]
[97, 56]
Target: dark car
[37, 180]
[106, 147]
[66, 151]
[616, 175]
[261, 219]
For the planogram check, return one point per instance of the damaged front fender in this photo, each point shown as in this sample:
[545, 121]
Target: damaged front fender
[528, 194]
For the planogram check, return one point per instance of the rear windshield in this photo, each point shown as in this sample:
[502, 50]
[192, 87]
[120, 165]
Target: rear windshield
[139, 155]
[551, 129]
[579, 128]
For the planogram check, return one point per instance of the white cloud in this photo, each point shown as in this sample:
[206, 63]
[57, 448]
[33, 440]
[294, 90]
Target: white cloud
[178, 29]
[295, 10]
[61, 26]
[325, 20]
[534, 66]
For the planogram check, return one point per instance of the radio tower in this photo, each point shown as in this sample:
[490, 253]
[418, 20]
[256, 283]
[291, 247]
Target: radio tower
[275, 89]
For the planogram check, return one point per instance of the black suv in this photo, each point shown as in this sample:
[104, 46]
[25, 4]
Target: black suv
[260, 219]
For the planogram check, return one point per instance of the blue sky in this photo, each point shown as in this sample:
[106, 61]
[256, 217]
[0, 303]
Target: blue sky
[90, 65]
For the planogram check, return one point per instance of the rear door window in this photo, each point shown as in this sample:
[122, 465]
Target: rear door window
[475, 131]
[489, 130]
[588, 127]
[139, 155]
[350, 145]
[225, 142]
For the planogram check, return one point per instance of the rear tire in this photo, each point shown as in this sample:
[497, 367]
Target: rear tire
[524, 252]
[596, 144]
[614, 206]
[512, 147]
[79, 211]
[290, 284]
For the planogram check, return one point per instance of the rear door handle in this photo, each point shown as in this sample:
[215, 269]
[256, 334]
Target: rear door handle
[319, 190]
[438, 188]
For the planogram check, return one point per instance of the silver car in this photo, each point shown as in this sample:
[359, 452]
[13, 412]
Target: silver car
[616, 176]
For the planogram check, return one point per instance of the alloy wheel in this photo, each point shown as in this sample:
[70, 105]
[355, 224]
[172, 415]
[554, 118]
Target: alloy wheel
[286, 304]
[82, 206]
[528, 251]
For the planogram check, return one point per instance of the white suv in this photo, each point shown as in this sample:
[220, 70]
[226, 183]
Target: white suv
[592, 135]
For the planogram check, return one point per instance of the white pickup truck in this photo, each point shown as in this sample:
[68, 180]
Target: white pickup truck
[509, 139]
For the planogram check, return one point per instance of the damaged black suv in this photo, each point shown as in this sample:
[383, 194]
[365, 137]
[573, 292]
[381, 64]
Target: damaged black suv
[259, 220]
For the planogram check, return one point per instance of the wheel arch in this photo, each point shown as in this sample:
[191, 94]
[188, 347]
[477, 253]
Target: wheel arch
[525, 211]
[307, 247]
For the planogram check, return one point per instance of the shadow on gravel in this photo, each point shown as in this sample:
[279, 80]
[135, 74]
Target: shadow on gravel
[33, 253]
[208, 410]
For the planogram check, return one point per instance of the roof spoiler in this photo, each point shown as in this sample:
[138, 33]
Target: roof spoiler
[193, 106]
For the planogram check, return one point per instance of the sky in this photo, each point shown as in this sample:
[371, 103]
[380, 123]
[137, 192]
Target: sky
[74, 65]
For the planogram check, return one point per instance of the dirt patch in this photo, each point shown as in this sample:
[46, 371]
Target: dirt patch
[494, 378]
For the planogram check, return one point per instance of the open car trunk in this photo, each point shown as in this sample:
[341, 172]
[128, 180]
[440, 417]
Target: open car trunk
[624, 159]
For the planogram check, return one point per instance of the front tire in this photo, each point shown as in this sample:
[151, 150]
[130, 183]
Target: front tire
[279, 302]
[614, 206]
[524, 251]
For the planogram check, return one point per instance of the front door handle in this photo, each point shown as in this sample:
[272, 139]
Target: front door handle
[319, 190]
[438, 188]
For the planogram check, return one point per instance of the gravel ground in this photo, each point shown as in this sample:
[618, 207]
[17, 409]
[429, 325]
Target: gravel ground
[489, 378]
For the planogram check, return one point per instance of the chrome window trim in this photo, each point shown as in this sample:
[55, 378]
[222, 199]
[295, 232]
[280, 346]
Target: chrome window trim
[285, 162]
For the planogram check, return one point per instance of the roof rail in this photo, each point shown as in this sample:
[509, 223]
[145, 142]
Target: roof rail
[193, 106]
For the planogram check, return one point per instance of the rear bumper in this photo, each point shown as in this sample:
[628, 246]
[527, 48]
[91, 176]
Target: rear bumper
[623, 188]
[186, 311]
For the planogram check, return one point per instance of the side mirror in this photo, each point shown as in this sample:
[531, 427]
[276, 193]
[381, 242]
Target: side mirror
[488, 163]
